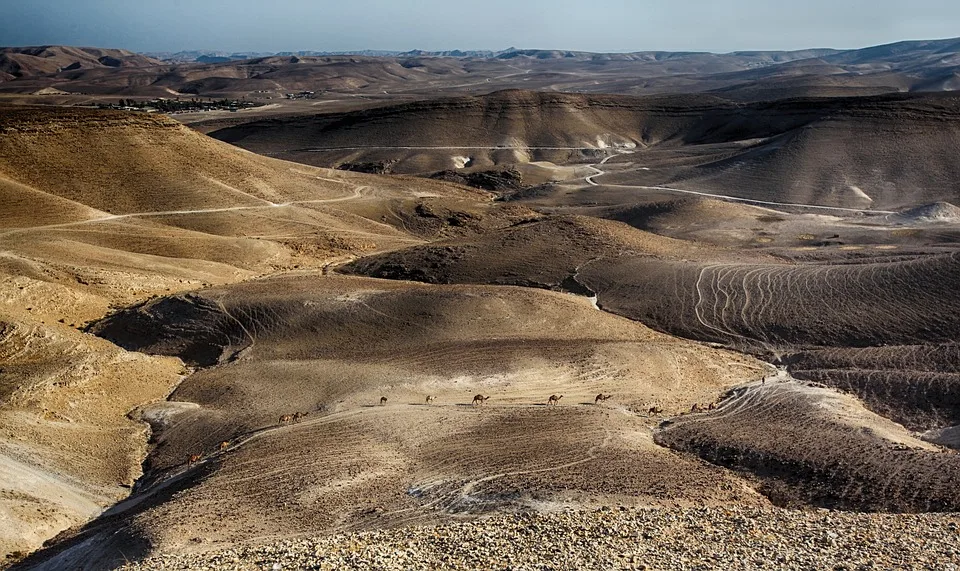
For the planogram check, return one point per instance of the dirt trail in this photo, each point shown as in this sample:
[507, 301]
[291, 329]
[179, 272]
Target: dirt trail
[357, 192]
[590, 180]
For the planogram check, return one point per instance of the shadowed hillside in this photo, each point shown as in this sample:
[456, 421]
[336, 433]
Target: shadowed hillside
[331, 347]
[761, 305]
[883, 152]
[100, 209]
[26, 62]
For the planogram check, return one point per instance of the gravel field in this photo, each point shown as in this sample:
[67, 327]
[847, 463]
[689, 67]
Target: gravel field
[689, 539]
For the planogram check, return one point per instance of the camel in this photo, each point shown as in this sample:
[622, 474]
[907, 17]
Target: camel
[297, 417]
[696, 408]
[655, 410]
[478, 400]
[285, 419]
[224, 445]
[554, 400]
[712, 406]
[429, 399]
[194, 459]
[601, 398]
[383, 401]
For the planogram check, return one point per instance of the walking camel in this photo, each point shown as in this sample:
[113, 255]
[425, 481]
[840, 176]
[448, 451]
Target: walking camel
[285, 419]
[554, 400]
[478, 400]
[601, 398]
[383, 401]
[429, 399]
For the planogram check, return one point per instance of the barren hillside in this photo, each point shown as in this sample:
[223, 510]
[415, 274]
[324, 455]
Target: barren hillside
[885, 152]
[669, 303]
[332, 347]
[26, 62]
[101, 209]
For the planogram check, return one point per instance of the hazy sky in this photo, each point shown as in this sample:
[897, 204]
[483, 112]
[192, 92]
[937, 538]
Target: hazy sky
[599, 25]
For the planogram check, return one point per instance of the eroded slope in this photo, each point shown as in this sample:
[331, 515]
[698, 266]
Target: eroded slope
[333, 346]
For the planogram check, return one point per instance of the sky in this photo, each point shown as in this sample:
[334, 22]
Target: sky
[344, 25]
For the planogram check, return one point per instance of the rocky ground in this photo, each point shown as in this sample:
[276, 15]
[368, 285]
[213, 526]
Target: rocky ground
[689, 539]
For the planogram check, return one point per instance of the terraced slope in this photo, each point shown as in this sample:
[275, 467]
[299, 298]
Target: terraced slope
[774, 307]
[762, 305]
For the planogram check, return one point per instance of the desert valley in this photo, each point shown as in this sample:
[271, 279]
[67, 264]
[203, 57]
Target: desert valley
[519, 309]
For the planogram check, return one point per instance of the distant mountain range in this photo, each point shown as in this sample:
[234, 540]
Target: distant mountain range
[44, 60]
[926, 65]
[207, 56]
[861, 55]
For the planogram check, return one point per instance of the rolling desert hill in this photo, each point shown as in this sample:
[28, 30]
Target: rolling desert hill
[761, 432]
[744, 298]
[884, 153]
[332, 346]
[831, 311]
[712, 294]
[28, 62]
[102, 209]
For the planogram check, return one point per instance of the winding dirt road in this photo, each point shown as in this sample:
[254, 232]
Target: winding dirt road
[599, 172]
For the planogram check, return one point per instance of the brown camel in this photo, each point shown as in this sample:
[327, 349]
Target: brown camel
[285, 419]
[429, 399]
[601, 398]
[554, 400]
[224, 445]
[383, 401]
[297, 417]
[655, 410]
[478, 400]
[194, 459]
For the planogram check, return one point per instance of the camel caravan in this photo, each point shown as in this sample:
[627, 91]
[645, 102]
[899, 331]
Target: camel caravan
[478, 401]
[697, 407]
[292, 418]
